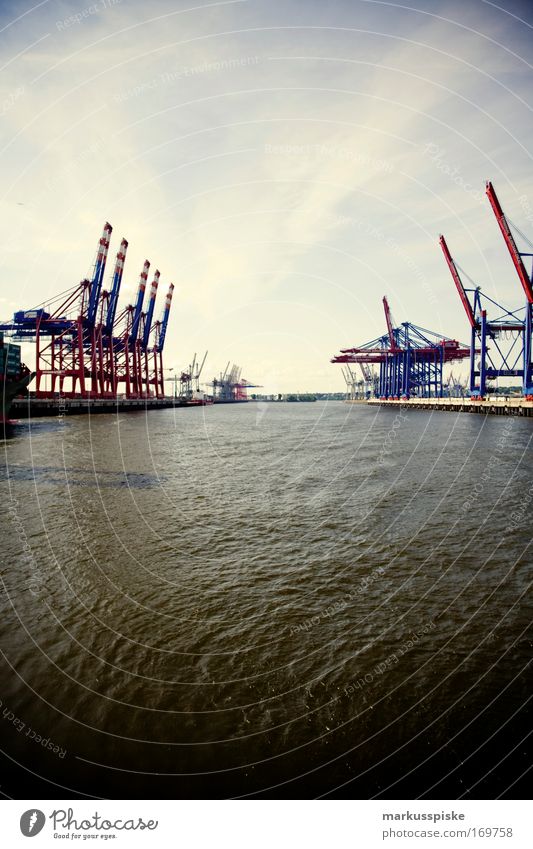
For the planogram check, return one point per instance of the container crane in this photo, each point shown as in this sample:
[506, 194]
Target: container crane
[478, 326]
[159, 343]
[504, 338]
[230, 387]
[410, 359]
[525, 279]
[458, 282]
[186, 380]
[516, 255]
[354, 387]
[66, 352]
[150, 312]
[164, 321]
[388, 319]
[199, 372]
[103, 361]
[79, 338]
[190, 379]
[98, 276]
[136, 316]
[115, 288]
[125, 343]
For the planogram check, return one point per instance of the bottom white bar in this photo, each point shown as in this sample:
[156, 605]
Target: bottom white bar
[266, 824]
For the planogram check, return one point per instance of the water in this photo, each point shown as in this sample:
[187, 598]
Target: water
[281, 600]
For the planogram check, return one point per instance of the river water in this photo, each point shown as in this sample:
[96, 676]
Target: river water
[278, 600]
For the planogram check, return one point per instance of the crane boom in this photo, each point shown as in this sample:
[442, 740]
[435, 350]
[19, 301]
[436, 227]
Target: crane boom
[150, 312]
[115, 288]
[458, 282]
[98, 276]
[139, 303]
[166, 313]
[390, 328]
[510, 242]
[366, 372]
[199, 372]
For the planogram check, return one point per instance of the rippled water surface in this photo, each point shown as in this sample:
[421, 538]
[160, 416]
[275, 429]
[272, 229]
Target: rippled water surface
[282, 599]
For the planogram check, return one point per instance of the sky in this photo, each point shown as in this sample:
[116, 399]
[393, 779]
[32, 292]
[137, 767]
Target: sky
[284, 163]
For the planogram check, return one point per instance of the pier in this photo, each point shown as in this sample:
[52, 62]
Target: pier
[30, 408]
[497, 406]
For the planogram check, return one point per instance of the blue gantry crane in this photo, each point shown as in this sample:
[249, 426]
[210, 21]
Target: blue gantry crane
[500, 338]
[410, 359]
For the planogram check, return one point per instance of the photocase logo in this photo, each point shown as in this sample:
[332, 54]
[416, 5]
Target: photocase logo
[32, 822]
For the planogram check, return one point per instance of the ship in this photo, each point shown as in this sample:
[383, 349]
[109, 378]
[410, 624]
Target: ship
[14, 377]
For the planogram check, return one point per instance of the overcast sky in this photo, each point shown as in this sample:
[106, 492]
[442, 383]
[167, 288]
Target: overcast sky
[285, 164]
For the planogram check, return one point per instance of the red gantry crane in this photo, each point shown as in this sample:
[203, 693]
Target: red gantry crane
[84, 350]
